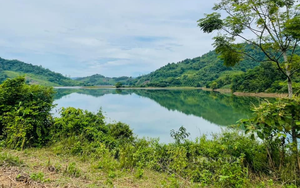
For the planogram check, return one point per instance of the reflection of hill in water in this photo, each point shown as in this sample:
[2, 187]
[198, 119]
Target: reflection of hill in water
[60, 93]
[217, 108]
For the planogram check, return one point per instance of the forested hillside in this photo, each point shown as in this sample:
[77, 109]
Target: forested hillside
[99, 79]
[34, 74]
[195, 72]
[205, 71]
[210, 72]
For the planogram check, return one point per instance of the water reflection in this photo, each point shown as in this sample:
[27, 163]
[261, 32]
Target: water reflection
[153, 113]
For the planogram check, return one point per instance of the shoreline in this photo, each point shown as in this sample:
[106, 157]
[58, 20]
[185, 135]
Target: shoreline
[225, 91]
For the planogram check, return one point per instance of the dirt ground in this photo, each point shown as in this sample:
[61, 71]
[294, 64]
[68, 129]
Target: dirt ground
[12, 177]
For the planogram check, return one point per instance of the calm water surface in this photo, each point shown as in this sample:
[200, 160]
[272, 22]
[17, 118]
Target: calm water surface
[153, 113]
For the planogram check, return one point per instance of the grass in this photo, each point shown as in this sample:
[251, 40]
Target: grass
[32, 78]
[44, 166]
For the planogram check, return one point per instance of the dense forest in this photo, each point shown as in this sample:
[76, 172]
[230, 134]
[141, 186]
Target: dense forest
[196, 72]
[208, 71]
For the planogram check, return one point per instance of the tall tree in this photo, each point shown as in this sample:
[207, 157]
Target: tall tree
[270, 26]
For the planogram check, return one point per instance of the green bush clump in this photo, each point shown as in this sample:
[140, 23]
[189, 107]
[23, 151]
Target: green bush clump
[25, 118]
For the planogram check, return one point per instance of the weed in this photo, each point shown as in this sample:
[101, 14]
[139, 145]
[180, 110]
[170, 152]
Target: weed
[72, 170]
[39, 177]
[9, 160]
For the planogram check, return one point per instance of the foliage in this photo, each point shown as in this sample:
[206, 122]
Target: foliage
[98, 79]
[180, 135]
[272, 23]
[264, 78]
[121, 131]
[118, 84]
[75, 122]
[229, 159]
[72, 170]
[39, 177]
[34, 74]
[195, 72]
[25, 113]
[277, 123]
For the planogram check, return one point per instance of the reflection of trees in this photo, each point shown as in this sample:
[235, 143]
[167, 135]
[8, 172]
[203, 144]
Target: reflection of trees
[93, 92]
[217, 108]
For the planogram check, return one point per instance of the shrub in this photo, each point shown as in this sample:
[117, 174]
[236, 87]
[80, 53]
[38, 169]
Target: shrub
[25, 117]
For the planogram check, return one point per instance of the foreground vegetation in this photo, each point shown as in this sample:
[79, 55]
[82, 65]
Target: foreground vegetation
[80, 148]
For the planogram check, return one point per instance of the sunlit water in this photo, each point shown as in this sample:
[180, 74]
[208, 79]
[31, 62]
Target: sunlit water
[153, 113]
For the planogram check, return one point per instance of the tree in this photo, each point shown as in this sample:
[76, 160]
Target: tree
[274, 25]
[214, 85]
[118, 85]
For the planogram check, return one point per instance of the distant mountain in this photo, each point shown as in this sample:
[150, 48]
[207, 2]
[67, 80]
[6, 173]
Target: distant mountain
[34, 74]
[198, 71]
[99, 79]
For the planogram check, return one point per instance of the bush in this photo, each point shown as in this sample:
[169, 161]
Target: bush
[77, 122]
[25, 117]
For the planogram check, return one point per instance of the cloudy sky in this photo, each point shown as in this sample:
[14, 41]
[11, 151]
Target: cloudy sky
[112, 38]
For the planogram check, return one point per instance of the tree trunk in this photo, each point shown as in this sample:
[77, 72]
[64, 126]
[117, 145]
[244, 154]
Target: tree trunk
[290, 88]
[288, 73]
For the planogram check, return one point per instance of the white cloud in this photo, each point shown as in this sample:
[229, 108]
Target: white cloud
[80, 38]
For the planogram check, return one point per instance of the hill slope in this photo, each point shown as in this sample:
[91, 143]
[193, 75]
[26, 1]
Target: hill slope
[198, 71]
[34, 74]
[99, 79]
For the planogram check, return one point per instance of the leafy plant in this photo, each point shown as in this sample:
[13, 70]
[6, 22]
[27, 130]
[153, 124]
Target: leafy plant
[39, 177]
[25, 113]
[180, 135]
[72, 170]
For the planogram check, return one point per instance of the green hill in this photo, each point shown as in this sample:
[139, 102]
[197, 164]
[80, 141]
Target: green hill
[209, 71]
[34, 74]
[198, 71]
[99, 79]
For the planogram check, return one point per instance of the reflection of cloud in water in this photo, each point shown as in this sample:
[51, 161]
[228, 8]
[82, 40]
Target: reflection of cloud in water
[145, 117]
[153, 113]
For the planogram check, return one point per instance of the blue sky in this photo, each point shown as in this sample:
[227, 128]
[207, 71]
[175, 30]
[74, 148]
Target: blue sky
[112, 38]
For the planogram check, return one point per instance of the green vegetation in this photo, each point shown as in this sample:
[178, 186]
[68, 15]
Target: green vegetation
[205, 71]
[274, 28]
[34, 74]
[197, 72]
[230, 159]
[118, 84]
[25, 118]
[208, 71]
[98, 79]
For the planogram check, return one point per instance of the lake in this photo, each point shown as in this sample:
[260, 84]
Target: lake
[153, 113]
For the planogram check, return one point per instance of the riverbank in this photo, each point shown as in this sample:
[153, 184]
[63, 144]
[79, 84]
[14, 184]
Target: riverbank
[245, 94]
